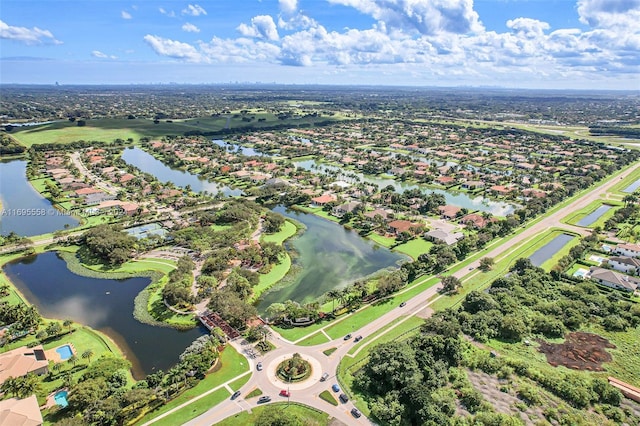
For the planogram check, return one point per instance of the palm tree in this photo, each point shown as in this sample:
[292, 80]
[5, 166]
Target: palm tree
[333, 295]
[88, 354]
[73, 360]
[67, 323]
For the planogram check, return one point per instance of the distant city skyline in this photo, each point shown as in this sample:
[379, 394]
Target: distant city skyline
[529, 44]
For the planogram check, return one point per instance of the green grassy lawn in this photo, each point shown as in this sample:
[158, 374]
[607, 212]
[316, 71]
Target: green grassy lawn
[110, 129]
[157, 308]
[232, 364]
[310, 416]
[296, 333]
[414, 248]
[237, 384]
[278, 271]
[315, 339]
[195, 409]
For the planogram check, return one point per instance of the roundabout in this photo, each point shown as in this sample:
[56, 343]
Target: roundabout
[310, 380]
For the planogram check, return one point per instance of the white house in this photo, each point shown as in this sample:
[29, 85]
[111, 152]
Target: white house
[613, 279]
[628, 265]
[631, 250]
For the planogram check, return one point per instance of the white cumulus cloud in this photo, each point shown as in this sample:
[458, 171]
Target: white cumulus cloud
[262, 26]
[173, 49]
[194, 10]
[288, 6]
[190, 28]
[125, 15]
[528, 27]
[424, 16]
[610, 13]
[169, 13]
[26, 35]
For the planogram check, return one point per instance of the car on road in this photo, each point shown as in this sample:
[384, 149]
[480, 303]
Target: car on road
[356, 413]
[347, 337]
[403, 304]
[471, 268]
[357, 339]
[285, 392]
[343, 398]
[335, 387]
[324, 377]
[264, 399]
[259, 366]
[235, 395]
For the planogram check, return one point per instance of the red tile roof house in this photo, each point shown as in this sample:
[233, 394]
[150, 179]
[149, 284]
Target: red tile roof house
[449, 212]
[22, 361]
[475, 220]
[445, 180]
[20, 412]
[397, 227]
[322, 200]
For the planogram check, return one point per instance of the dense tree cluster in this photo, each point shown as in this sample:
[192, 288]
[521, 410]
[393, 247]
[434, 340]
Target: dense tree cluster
[109, 243]
[177, 292]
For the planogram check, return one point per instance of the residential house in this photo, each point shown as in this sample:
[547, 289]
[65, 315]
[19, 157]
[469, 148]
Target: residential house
[475, 220]
[20, 412]
[397, 227]
[97, 198]
[472, 184]
[631, 250]
[323, 200]
[22, 361]
[613, 279]
[449, 211]
[342, 209]
[440, 235]
[445, 180]
[628, 265]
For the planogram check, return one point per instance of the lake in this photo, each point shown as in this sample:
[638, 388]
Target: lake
[149, 164]
[594, 215]
[238, 149]
[547, 251]
[330, 257]
[102, 304]
[24, 210]
[459, 199]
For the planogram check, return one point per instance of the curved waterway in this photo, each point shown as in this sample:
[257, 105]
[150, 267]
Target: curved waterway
[149, 164]
[329, 257]
[459, 199]
[102, 304]
[24, 210]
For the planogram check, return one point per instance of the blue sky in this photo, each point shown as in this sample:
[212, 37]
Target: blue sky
[554, 44]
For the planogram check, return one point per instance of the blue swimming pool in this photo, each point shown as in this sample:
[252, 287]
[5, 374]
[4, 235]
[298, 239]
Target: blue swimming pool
[65, 352]
[61, 398]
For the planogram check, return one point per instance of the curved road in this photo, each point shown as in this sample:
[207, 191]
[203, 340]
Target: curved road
[308, 391]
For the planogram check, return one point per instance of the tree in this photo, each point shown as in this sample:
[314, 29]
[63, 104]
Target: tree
[274, 416]
[68, 323]
[450, 284]
[73, 360]
[333, 295]
[88, 354]
[486, 264]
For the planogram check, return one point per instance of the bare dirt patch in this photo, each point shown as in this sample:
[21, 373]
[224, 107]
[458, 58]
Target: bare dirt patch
[580, 351]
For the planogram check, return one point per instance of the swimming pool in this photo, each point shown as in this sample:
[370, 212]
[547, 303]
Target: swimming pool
[61, 398]
[65, 352]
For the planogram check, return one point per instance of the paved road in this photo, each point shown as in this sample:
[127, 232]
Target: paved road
[97, 181]
[308, 391]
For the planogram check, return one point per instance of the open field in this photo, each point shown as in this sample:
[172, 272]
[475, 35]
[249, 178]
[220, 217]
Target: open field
[310, 416]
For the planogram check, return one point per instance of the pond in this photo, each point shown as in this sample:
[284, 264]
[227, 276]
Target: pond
[632, 188]
[24, 210]
[594, 215]
[239, 149]
[547, 251]
[102, 304]
[459, 199]
[149, 164]
[330, 257]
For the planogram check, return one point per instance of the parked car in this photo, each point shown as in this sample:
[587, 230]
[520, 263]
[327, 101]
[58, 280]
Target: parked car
[357, 339]
[347, 337]
[285, 392]
[324, 377]
[356, 413]
[259, 366]
[343, 398]
[335, 387]
[403, 304]
[235, 395]
[264, 399]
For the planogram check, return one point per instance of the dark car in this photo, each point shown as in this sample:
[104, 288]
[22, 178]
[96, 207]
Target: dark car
[356, 413]
[403, 304]
[259, 366]
[264, 399]
[235, 395]
[357, 339]
[335, 387]
[343, 398]
[347, 337]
